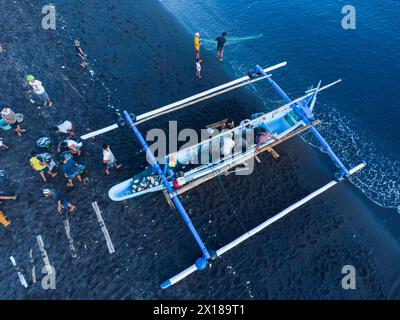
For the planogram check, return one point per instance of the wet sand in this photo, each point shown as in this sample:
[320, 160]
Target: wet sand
[143, 59]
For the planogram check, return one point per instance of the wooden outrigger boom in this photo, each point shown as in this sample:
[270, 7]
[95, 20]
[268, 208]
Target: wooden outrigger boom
[288, 121]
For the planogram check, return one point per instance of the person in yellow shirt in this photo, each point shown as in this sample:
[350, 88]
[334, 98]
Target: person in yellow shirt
[197, 45]
[40, 166]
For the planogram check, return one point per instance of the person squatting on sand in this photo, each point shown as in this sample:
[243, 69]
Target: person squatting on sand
[71, 170]
[81, 54]
[197, 45]
[39, 90]
[70, 145]
[198, 68]
[10, 118]
[109, 159]
[65, 128]
[40, 166]
[60, 200]
[221, 40]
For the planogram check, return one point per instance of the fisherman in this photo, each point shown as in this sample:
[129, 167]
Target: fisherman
[227, 145]
[263, 137]
[221, 40]
[197, 45]
[40, 166]
[109, 159]
[66, 128]
[81, 54]
[60, 200]
[9, 117]
[229, 124]
[39, 90]
[198, 68]
[71, 170]
[71, 145]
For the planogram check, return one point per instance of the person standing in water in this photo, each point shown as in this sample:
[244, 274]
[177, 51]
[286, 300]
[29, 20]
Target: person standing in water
[197, 45]
[198, 68]
[221, 40]
[81, 54]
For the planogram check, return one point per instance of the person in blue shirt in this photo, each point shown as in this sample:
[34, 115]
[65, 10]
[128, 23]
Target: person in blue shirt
[71, 170]
[60, 200]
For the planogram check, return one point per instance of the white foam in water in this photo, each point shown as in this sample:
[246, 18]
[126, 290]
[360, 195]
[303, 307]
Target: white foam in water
[379, 181]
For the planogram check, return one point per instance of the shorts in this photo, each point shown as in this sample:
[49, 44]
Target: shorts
[111, 164]
[43, 96]
[45, 169]
[78, 172]
[65, 204]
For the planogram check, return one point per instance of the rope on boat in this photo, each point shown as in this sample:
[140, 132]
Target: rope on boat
[230, 204]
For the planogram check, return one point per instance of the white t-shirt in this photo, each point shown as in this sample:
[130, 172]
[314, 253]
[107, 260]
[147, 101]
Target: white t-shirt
[37, 86]
[108, 156]
[198, 66]
[227, 146]
[71, 143]
[65, 126]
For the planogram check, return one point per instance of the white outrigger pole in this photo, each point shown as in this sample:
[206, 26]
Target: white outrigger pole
[189, 101]
[193, 268]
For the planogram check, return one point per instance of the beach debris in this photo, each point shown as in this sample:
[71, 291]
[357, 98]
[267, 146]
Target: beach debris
[33, 266]
[103, 227]
[20, 275]
[43, 252]
[70, 240]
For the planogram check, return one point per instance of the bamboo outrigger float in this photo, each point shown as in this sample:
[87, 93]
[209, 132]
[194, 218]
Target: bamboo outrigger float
[284, 123]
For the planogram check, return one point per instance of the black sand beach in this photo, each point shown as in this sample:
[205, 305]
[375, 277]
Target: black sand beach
[142, 60]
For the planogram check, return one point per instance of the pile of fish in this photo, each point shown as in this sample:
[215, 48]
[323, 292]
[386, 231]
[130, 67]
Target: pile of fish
[144, 183]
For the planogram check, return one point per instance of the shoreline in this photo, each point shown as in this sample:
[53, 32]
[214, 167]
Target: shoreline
[144, 70]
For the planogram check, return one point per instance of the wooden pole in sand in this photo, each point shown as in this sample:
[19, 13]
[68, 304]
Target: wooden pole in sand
[103, 227]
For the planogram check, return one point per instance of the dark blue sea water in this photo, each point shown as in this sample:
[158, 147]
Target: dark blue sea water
[361, 116]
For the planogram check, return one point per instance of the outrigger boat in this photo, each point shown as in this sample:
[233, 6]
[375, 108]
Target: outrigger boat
[181, 171]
